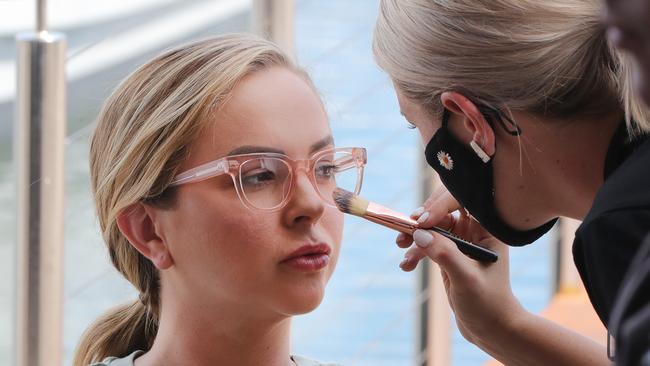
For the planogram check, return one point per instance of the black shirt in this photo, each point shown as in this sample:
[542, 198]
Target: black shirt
[617, 222]
[630, 318]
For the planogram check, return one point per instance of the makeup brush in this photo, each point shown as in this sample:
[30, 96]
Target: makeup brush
[350, 203]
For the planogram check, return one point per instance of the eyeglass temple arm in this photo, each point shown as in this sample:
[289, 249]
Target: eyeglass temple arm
[201, 172]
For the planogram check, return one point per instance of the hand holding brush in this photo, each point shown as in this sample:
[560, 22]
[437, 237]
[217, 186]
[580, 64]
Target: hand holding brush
[355, 205]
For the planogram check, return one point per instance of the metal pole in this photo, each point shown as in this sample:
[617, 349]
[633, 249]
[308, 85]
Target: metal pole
[41, 15]
[434, 316]
[39, 144]
[423, 277]
[274, 20]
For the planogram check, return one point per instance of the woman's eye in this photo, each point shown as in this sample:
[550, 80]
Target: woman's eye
[325, 170]
[257, 177]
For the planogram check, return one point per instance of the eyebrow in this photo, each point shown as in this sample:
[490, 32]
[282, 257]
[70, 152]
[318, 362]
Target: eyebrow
[328, 140]
[251, 149]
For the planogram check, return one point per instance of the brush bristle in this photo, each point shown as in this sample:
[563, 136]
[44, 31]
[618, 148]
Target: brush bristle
[349, 202]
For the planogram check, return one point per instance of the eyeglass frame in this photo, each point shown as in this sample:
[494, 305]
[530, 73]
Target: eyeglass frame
[231, 165]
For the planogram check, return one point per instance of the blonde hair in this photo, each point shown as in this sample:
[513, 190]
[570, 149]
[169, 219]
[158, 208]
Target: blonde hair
[548, 57]
[142, 135]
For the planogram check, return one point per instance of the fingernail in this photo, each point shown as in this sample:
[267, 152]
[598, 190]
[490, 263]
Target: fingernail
[423, 218]
[403, 262]
[400, 238]
[418, 211]
[422, 238]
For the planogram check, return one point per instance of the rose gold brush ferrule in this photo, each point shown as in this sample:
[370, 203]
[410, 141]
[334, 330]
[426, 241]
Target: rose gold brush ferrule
[389, 218]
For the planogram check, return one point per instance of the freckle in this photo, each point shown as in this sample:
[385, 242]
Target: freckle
[527, 220]
[521, 186]
[557, 161]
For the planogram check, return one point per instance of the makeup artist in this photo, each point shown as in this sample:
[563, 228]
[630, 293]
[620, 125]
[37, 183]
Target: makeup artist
[527, 114]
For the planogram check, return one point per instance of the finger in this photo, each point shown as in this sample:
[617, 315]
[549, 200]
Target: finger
[411, 258]
[404, 240]
[438, 213]
[444, 252]
[417, 213]
[437, 192]
[429, 201]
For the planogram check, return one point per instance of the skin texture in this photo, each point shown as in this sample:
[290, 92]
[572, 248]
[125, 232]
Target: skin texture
[227, 295]
[542, 175]
[628, 26]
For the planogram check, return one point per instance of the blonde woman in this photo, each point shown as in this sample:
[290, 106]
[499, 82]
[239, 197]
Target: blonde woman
[527, 114]
[212, 170]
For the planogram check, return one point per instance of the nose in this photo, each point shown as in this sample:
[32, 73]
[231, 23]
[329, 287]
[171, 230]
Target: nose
[305, 206]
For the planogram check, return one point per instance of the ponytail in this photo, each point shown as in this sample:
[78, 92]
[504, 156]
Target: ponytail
[120, 332]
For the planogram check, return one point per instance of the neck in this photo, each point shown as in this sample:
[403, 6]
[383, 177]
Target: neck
[191, 333]
[568, 159]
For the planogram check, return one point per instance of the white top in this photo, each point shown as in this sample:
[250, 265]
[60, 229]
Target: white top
[128, 361]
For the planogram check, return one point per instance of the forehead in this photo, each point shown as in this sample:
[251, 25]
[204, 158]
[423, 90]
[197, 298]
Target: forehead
[275, 108]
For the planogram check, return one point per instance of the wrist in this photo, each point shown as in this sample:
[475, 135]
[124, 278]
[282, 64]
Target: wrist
[509, 323]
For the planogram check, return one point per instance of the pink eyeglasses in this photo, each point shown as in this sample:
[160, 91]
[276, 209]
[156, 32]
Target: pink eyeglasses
[264, 181]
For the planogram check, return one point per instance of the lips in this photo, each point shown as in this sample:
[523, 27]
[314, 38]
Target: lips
[309, 258]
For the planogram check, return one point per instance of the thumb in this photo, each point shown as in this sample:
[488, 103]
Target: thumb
[445, 253]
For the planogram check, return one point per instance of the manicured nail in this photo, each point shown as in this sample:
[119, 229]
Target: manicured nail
[422, 238]
[418, 211]
[400, 238]
[424, 217]
[403, 262]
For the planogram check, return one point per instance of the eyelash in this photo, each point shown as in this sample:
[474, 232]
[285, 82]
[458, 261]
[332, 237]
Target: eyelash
[410, 126]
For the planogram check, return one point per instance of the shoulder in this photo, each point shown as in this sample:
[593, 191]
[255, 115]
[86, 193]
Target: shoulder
[626, 188]
[114, 361]
[302, 361]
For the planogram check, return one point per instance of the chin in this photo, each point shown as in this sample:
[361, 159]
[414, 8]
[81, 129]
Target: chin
[303, 299]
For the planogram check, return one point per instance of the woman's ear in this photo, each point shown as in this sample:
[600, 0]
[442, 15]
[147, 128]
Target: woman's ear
[473, 121]
[137, 224]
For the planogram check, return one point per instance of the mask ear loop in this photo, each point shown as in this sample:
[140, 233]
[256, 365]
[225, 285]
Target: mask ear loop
[516, 132]
[497, 115]
[494, 114]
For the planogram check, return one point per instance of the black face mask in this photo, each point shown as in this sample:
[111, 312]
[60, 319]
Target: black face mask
[471, 181]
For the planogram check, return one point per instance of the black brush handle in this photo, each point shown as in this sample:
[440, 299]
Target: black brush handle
[471, 250]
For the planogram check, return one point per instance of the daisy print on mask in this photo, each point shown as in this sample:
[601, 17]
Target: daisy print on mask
[445, 160]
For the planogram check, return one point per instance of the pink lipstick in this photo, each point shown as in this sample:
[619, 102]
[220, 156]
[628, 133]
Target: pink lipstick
[309, 258]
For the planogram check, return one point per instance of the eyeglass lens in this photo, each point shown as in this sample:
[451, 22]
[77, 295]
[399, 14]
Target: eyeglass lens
[265, 181]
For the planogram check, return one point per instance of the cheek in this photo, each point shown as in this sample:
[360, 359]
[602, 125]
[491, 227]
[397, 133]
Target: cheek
[427, 129]
[211, 234]
[243, 235]
[426, 136]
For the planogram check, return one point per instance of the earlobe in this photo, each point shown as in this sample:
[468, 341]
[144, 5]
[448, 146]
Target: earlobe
[137, 225]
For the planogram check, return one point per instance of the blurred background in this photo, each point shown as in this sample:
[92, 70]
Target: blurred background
[373, 313]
